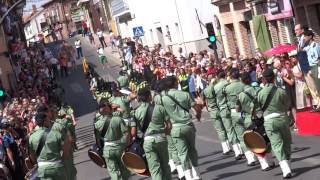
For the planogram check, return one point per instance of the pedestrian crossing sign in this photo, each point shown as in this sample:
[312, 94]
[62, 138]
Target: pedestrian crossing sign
[138, 31]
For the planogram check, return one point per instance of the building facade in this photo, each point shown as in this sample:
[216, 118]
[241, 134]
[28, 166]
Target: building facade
[11, 37]
[308, 13]
[172, 23]
[239, 21]
[34, 25]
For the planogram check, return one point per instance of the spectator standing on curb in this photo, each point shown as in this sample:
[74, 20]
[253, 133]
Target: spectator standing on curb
[91, 38]
[101, 39]
[102, 57]
[312, 77]
[77, 43]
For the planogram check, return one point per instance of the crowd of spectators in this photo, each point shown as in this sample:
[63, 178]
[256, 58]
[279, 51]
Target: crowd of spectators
[36, 71]
[193, 69]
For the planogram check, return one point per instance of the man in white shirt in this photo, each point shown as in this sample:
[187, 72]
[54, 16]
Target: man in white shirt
[79, 48]
[313, 76]
[101, 39]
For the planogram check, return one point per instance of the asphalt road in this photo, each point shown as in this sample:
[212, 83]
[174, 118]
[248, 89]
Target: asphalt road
[213, 166]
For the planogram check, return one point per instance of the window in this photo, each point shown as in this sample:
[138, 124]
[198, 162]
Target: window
[151, 35]
[178, 35]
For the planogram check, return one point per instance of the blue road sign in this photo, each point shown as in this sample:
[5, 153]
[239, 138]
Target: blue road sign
[138, 31]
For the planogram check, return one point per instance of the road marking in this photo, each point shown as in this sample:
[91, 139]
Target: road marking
[76, 88]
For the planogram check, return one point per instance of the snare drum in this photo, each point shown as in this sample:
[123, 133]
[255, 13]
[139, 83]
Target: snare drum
[256, 139]
[95, 154]
[28, 163]
[135, 161]
[32, 174]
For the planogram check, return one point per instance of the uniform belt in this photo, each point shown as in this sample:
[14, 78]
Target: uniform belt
[126, 119]
[155, 136]
[48, 163]
[273, 115]
[112, 143]
[234, 111]
[180, 124]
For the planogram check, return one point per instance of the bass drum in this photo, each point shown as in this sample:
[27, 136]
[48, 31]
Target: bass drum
[256, 139]
[135, 161]
[32, 174]
[95, 154]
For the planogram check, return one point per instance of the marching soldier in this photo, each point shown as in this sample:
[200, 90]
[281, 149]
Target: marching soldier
[276, 121]
[177, 105]
[123, 79]
[66, 111]
[155, 143]
[65, 123]
[174, 161]
[231, 92]
[115, 139]
[211, 101]
[123, 102]
[49, 159]
[225, 113]
[246, 104]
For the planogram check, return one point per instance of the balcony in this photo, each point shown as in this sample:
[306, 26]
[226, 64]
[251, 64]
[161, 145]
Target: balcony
[119, 7]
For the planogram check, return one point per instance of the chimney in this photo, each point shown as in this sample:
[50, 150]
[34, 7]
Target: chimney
[34, 8]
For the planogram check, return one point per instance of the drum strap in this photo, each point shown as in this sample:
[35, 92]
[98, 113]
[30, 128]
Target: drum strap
[42, 142]
[104, 129]
[269, 98]
[147, 118]
[176, 102]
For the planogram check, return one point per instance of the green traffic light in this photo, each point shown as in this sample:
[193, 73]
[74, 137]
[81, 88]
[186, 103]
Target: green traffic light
[212, 39]
[1, 93]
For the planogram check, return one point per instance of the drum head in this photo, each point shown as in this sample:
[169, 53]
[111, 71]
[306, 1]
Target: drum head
[134, 162]
[145, 174]
[96, 158]
[255, 142]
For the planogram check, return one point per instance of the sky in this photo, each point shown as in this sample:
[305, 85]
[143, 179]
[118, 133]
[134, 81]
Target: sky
[38, 3]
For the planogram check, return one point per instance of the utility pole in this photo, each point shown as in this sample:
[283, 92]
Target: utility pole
[181, 31]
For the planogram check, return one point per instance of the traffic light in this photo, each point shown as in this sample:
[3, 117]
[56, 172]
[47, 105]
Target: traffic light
[211, 36]
[2, 94]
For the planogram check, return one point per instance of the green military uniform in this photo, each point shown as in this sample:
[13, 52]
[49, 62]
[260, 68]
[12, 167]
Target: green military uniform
[114, 144]
[155, 143]
[183, 130]
[276, 121]
[223, 109]
[63, 125]
[210, 95]
[232, 92]
[50, 164]
[173, 153]
[247, 103]
[123, 81]
[68, 110]
[124, 103]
